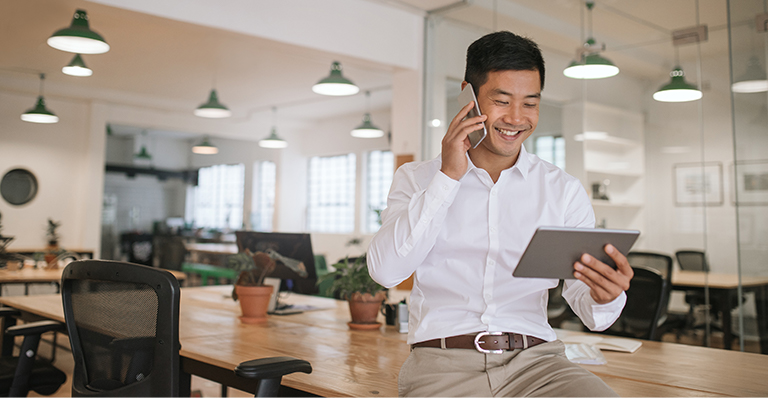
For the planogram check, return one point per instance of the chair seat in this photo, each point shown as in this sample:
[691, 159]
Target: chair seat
[45, 379]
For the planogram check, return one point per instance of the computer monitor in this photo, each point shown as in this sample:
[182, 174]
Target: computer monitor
[289, 247]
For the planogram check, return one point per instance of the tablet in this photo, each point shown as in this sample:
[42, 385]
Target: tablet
[552, 251]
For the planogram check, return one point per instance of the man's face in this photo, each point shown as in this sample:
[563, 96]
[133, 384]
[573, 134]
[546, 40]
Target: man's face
[510, 99]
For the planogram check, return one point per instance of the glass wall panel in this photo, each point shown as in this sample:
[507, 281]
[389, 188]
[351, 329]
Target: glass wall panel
[691, 176]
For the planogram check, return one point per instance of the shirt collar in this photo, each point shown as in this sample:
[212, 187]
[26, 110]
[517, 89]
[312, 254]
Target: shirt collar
[523, 164]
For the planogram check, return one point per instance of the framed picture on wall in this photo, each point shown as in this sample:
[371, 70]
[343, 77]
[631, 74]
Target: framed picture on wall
[698, 184]
[751, 188]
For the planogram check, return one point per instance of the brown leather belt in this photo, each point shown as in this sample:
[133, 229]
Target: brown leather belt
[485, 342]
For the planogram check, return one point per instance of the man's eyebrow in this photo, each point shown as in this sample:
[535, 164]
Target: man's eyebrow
[502, 92]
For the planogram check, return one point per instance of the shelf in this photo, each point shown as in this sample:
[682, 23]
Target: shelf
[618, 173]
[608, 203]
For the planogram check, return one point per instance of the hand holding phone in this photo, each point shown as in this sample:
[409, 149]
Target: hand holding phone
[468, 95]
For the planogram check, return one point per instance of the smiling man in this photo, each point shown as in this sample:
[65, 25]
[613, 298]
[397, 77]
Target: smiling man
[460, 223]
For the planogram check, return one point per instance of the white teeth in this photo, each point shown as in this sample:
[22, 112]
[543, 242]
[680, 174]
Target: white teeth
[508, 132]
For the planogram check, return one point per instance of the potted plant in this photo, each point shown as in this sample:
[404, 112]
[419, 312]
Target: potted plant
[249, 287]
[352, 282]
[52, 236]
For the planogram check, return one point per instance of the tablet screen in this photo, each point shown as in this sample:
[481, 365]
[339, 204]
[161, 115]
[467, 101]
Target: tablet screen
[552, 251]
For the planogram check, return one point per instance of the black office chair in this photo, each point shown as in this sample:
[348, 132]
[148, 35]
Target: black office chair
[640, 318]
[662, 263]
[123, 324]
[25, 373]
[696, 260]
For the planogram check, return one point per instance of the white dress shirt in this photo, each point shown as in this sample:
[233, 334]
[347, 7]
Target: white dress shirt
[463, 239]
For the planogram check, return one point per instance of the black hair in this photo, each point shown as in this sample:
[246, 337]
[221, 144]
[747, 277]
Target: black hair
[500, 51]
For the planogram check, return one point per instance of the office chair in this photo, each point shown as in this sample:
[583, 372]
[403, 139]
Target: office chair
[663, 264]
[696, 260]
[25, 373]
[123, 325]
[640, 318]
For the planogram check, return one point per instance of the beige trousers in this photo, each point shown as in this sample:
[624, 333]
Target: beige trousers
[542, 371]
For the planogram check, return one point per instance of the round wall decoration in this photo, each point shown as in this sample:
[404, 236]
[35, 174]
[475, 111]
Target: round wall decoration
[18, 186]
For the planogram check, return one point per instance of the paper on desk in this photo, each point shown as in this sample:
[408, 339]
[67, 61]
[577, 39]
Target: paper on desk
[605, 343]
[586, 354]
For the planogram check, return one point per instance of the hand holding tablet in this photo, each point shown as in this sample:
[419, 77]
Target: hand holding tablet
[553, 251]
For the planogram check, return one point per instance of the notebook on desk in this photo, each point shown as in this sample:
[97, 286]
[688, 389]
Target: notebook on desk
[605, 343]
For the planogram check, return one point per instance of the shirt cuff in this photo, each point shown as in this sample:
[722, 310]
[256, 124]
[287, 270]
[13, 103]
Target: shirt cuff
[606, 314]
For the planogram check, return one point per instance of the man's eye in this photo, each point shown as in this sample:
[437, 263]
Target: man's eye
[532, 105]
[501, 103]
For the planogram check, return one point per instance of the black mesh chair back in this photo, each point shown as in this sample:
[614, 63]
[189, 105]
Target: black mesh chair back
[123, 324]
[660, 262]
[692, 260]
[643, 310]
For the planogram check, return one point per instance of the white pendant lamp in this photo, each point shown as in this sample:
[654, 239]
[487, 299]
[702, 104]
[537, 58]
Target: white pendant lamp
[589, 64]
[77, 67]
[335, 84]
[213, 109]
[39, 113]
[677, 90]
[367, 129]
[273, 141]
[754, 80]
[78, 37]
[205, 148]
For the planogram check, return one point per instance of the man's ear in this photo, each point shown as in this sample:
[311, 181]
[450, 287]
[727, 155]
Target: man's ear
[463, 84]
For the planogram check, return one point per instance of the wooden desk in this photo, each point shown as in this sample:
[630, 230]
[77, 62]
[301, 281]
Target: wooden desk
[724, 289]
[366, 363]
[83, 253]
[29, 275]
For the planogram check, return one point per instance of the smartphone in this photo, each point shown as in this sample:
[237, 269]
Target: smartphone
[467, 95]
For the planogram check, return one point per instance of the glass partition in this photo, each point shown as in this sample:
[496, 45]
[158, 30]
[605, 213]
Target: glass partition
[691, 176]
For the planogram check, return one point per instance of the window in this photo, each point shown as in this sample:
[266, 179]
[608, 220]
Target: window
[217, 200]
[263, 202]
[551, 149]
[381, 167]
[331, 205]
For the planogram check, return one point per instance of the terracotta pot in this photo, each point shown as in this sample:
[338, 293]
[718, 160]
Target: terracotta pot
[254, 301]
[364, 308]
[51, 252]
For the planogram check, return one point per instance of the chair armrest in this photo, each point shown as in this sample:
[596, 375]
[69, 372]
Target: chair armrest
[8, 311]
[35, 328]
[269, 368]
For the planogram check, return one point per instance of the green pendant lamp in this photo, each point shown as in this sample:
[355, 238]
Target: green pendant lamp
[205, 148]
[77, 67]
[591, 66]
[78, 37]
[143, 154]
[39, 113]
[335, 84]
[677, 90]
[367, 129]
[213, 108]
[589, 63]
[273, 141]
[754, 80]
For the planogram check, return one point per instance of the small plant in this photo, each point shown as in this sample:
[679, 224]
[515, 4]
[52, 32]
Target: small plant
[252, 268]
[351, 277]
[51, 235]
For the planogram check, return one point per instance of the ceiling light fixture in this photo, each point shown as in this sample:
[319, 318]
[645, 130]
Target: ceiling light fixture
[78, 37]
[143, 157]
[589, 64]
[367, 129]
[677, 90]
[77, 67]
[754, 80]
[205, 148]
[213, 109]
[39, 113]
[273, 141]
[335, 84]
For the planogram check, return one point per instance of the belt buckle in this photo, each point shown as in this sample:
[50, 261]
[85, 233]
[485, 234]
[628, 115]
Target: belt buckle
[483, 334]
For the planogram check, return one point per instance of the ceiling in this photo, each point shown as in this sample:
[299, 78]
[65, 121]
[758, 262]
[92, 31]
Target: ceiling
[150, 66]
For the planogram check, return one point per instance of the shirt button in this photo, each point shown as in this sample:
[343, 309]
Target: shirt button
[487, 297]
[491, 262]
[493, 229]
[445, 187]
[493, 193]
